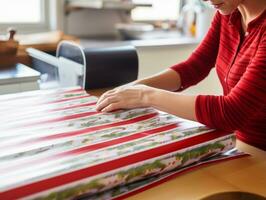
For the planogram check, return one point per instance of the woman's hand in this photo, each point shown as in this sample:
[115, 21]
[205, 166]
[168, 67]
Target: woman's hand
[125, 97]
[136, 96]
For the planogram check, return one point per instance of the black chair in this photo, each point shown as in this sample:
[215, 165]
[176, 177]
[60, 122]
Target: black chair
[105, 66]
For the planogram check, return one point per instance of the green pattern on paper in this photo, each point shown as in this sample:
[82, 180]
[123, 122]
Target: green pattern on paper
[146, 169]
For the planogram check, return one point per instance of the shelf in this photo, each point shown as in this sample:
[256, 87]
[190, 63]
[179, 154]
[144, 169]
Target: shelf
[103, 4]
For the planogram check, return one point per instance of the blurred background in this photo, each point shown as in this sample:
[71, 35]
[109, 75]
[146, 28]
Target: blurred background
[164, 32]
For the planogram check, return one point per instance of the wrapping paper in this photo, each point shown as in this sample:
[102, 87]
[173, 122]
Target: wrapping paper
[123, 191]
[55, 145]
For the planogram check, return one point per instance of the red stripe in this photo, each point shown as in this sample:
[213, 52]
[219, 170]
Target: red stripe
[70, 177]
[74, 90]
[14, 106]
[83, 131]
[118, 141]
[75, 106]
[93, 147]
[33, 94]
[175, 174]
[37, 95]
[95, 128]
[60, 119]
[22, 115]
[68, 99]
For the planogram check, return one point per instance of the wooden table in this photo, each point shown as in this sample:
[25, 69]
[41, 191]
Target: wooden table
[246, 174]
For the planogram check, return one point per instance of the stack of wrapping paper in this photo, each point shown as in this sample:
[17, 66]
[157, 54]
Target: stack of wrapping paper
[55, 145]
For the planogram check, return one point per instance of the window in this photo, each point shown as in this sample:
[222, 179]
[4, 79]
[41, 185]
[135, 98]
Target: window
[160, 10]
[24, 15]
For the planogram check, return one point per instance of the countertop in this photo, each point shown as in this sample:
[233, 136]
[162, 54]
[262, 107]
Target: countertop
[156, 42]
[17, 74]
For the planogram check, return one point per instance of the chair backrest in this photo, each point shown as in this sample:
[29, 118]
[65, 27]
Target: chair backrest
[110, 66]
[104, 66]
[72, 64]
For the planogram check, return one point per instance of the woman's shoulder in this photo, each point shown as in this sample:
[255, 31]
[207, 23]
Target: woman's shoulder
[226, 19]
[259, 23]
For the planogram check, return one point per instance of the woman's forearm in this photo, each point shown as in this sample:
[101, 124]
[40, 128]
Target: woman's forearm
[145, 96]
[173, 103]
[155, 91]
[167, 80]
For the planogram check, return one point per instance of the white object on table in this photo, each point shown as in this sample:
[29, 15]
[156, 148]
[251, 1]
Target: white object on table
[20, 78]
[69, 71]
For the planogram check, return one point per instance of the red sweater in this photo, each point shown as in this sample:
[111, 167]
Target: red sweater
[240, 61]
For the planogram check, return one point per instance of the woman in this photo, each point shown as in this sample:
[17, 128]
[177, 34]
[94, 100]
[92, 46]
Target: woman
[236, 45]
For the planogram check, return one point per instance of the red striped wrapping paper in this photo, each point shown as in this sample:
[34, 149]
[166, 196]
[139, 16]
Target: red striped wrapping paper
[55, 145]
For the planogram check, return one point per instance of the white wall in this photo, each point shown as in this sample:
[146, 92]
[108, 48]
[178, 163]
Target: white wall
[93, 22]
[56, 8]
[155, 59]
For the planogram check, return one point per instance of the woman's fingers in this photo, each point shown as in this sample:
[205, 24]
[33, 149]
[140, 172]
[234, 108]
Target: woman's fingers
[105, 95]
[105, 102]
[125, 97]
[111, 107]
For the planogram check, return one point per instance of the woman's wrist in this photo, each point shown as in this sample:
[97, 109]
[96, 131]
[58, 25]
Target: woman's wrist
[173, 103]
[150, 96]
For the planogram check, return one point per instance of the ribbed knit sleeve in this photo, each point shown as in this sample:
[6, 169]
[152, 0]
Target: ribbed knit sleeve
[199, 64]
[248, 97]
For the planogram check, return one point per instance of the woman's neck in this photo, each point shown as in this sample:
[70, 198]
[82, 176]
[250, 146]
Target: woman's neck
[250, 9]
